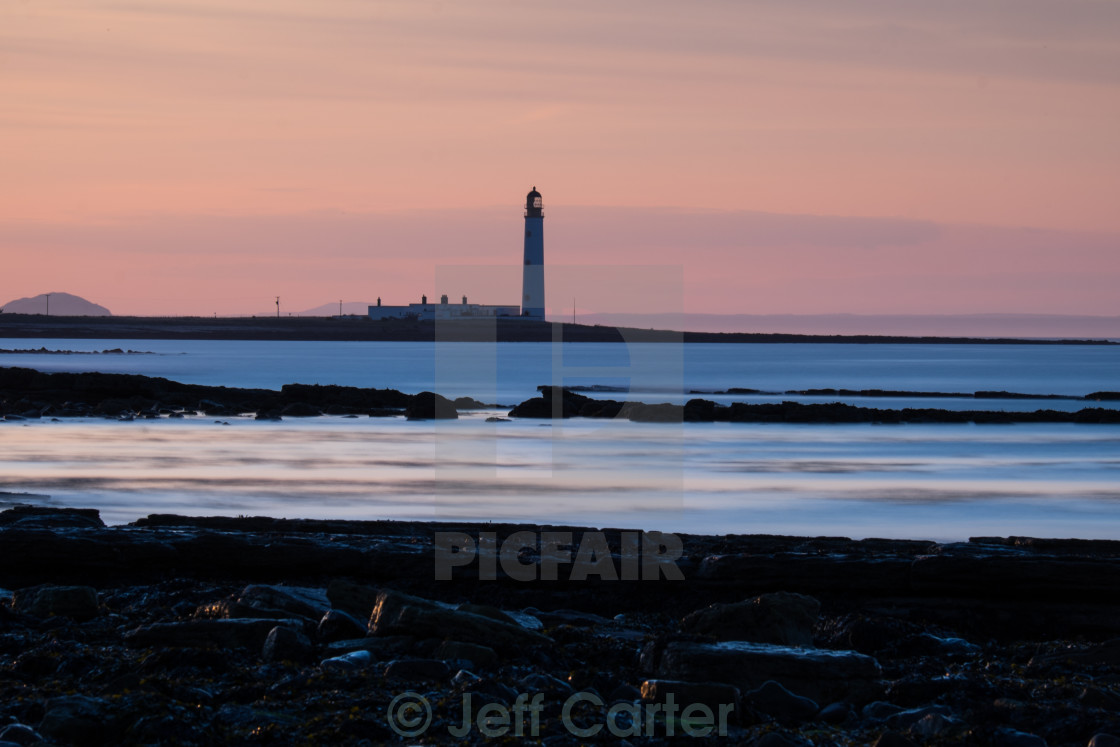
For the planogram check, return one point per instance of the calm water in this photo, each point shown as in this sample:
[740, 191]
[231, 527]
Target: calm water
[940, 482]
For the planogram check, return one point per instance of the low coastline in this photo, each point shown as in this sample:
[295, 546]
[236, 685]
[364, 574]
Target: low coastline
[26, 326]
[245, 630]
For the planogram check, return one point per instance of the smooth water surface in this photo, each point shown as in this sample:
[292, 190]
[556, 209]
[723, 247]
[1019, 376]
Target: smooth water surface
[924, 481]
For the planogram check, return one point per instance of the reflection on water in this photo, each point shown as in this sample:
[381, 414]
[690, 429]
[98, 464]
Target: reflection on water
[940, 482]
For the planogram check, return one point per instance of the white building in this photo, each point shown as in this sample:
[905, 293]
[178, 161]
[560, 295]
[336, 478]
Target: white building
[425, 311]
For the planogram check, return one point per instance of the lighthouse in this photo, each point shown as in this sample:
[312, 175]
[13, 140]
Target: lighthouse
[532, 285]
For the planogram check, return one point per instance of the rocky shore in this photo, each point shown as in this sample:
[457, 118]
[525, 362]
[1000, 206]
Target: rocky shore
[222, 630]
[30, 394]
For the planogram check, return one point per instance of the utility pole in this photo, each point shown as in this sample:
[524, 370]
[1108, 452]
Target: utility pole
[48, 295]
[278, 307]
[340, 307]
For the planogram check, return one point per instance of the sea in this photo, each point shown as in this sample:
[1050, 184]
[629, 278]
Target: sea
[944, 482]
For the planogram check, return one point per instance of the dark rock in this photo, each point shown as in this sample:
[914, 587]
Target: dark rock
[485, 610]
[545, 683]
[400, 614]
[479, 656]
[934, 727]
[1098, 740]
[906, 719]
[699, 411]
[468, 403]
[379, 648]
[1096, 697]
[19, 734]
[556, 402]
[867, 635]
[284, 601]
[431, 406]
[232, 633]
[774, 700]
[927, 644]
[1107, 653]
[780, 617]
[818, 674]
[639, 412]
[300, 410]
[286, 644]
[893, 739]
[76, 719]
[880, 710]
[350, 662]
[835, 713]
[1012, 738]
[46, 517]
[567, 617]
[415, 670]
[714, 695]
[77, 602]
[354, 599]
[627, 693]
[337, 625]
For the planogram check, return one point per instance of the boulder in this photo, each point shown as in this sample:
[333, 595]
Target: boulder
[19, 734]
[401, 614]
[819, 674]
[781, 617]
[286, 644]
[337, 625]
[77, 602]
[431, 406]
[353, 599]
[76, 719]
[350, 662]
[301, 601]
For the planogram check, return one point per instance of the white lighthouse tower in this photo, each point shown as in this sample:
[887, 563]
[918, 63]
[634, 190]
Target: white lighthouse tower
[532, 286]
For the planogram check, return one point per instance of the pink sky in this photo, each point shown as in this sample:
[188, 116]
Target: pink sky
[198, 157]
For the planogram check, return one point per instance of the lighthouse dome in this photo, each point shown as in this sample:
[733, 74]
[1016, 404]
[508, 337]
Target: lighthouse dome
[533, 204]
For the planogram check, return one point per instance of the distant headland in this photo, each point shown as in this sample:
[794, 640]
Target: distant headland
[23, 326]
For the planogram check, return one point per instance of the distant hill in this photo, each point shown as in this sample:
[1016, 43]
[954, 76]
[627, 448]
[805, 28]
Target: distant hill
[59, 304]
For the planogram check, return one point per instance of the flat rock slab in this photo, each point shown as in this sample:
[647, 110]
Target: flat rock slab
[401, 614]
[820, 674]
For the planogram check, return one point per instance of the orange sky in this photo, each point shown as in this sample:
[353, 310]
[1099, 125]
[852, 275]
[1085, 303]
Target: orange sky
[192, 156]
